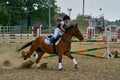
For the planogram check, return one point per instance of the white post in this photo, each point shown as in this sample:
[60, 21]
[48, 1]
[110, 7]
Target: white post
[38, 31]
[118, 34]
[108, 39]
[33, 33]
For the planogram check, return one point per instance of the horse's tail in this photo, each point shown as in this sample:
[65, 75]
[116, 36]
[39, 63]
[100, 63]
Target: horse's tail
[26, 45]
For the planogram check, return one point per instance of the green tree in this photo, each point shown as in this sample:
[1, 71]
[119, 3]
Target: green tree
[10, 12]
[80, 20]
[26, 12]
[4, 16]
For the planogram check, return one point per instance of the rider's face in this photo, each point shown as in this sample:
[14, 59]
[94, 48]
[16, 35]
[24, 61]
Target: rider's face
[67, 20]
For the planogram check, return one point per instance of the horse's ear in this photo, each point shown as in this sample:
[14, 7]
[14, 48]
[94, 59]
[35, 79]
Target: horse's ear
[71, 25]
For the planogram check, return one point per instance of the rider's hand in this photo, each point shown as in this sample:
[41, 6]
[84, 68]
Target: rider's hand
[63, 30]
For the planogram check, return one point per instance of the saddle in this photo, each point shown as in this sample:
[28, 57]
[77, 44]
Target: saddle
[53, 41]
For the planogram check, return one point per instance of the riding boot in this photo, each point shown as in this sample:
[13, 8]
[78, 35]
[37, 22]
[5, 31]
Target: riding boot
[55, 39]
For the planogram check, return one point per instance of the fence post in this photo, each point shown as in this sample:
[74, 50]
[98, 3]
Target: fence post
[108, 54]
[118, 34]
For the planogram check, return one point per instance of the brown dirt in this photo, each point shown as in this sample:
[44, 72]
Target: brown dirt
[90, 68]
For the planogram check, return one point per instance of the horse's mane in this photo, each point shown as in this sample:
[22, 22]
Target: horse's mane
[71, 26]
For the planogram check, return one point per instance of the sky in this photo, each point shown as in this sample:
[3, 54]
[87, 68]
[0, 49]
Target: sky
[110, 8]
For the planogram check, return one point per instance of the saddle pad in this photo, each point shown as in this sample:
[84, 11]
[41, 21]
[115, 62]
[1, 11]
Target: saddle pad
[47, 41]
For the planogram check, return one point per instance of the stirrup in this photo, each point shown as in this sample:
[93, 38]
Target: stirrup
[50, 36]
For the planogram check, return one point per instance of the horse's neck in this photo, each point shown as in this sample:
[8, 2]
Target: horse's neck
[67, 37]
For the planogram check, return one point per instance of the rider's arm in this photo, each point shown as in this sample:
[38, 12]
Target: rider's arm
[61, 27]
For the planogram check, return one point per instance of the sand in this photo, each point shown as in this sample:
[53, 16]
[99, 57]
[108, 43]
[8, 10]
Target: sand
[90, 68]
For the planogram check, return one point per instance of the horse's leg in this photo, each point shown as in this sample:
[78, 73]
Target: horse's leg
[73, 59]
[40, 54]
[32, 49]
[60, 62]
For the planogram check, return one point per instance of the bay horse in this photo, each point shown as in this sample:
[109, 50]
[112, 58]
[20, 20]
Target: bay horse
[63, 47]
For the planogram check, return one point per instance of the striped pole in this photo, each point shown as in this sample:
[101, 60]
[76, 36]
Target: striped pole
[88, 41]
[91, 49]
[91, 55]
[51, 55]
[78, 52]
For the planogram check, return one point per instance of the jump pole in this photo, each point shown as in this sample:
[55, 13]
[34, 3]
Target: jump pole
[108, 38]
[85, 40]
[75, 52]
[79, 52]
[91, 55]
[90, 49]
[72, 52]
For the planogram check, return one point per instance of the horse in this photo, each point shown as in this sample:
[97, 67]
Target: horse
[62, 48]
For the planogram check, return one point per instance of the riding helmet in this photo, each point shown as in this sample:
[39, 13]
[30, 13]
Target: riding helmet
[66, 17]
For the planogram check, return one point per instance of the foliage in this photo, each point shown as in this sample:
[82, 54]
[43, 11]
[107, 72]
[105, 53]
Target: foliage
[117, 22]
[80, 21]
[4, 16]
[26, 12]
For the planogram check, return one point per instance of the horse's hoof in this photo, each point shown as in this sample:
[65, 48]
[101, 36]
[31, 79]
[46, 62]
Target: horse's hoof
[76, 66]
[37, 65]
[24, 61]
[27, 64]
[24, 58]
[60, 69]
[42, 66]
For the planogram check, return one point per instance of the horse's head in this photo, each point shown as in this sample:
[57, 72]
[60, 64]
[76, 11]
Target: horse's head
[74, 31]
